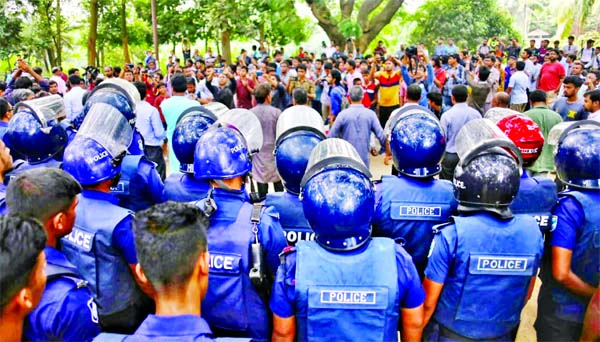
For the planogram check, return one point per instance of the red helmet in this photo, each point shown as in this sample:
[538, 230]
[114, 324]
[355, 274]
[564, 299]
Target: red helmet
[525, 133]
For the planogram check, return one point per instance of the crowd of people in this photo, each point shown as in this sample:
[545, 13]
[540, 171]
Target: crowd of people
[136, 204]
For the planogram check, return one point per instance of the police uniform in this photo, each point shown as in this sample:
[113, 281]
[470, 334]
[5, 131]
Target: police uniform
[23, 165]
[183, 187]
[486, 265]
[140, 185]
[408, 208]
[101, 247]
[233, 306]
[536, 197]
[291, 215]
[379, 277]
[172, 328]
[560, 311]
[67, 311]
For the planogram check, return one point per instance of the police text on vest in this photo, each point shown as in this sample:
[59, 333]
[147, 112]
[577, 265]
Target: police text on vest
[500, 264]
[348, 297]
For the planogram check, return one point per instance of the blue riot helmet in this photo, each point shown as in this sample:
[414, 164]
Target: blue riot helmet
[136, 147]
[221, 153]
[116, 92]
[488, 175]
[191, 124]
[35, 131]
[299, 130]
[99, 146]
[338, 196]
[417, 143]
[577, 155]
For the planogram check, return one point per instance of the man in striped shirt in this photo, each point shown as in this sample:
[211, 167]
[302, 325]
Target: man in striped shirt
[389, 87]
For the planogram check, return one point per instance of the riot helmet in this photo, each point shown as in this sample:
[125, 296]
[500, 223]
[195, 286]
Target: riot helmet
[488, 175]
[299, 130]
[577, 155]
[35, 131]
[417, 144]
[246, 123]
[191, 124]
[338, 196]
[525, 133]
[99, 146]
[221, 153]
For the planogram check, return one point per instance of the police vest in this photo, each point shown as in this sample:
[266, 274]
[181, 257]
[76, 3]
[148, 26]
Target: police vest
[536, 197]
[585, 262]
[90, 248]
[181, 187]
[291, 216]
[347, 297]
[22, 166]
[409, 209]
[231, 302]
[487, 288]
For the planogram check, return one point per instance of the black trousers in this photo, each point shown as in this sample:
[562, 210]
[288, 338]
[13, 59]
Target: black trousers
[385, 112]
[448, 165]
[155, 154]
[263, 188]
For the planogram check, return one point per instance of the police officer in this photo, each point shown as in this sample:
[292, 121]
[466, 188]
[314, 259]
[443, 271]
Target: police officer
[410, 204]
[35, 133]
[299, 129]
[183, 186]
[239, 235]
[571, 278]
[537, 195]
[344, 285]
[482, 265]
[101, 244]
[67, 310]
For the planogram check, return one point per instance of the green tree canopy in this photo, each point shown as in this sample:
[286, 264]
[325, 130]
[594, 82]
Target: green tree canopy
[465, 21]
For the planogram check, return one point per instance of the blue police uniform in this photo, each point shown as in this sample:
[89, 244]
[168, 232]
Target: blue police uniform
[172, 328]
[140, 185]
[536, 197]
[483, 261]
[67, 311]
[330, 291]
[233, 306]
[183, 187]
[560, 311]
[3, 128]
[291, 215]
[22, 166]
[408, 208]
[101, 247]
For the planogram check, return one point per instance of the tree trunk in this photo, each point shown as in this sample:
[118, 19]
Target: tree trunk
[226, 46]
[93, 33]
[58, 34]
[124, 38]
[154, 30]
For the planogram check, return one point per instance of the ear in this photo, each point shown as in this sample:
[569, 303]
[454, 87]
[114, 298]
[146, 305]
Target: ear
[24, 299]
[202, 264]
[140, 275]
[58, 223]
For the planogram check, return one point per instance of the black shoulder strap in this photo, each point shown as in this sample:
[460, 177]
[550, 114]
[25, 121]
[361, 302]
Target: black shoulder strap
[55, 271]
[256, 210]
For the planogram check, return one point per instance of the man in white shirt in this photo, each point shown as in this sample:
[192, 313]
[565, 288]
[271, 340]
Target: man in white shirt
[570, 48]
[587, 54]
[591, 103]
[73, 98]
[62, 86]
[517, 88]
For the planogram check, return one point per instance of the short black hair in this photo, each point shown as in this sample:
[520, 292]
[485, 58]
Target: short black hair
[22, 239]
[178, 83]
[537, 96]
[262, 92]
[460, 93]
[141, 88]
[41, 193]
[336, 75]
[301, 67]
[4, 105]
[3, 85]
[574, 80]
[594, 95]
[74, 80]
[327, 66]
[413, 92]
[169, 238]
[74, 70]
[23, 83]
[300, 96]
[435, 97]
[484, 73]
[520, 65]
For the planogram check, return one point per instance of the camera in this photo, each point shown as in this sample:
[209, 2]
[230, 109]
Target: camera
[410, 51]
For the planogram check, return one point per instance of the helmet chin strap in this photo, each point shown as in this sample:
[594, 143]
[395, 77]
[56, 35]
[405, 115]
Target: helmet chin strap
[222, 185]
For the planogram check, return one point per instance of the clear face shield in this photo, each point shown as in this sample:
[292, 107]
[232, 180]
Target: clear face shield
[49, 110]
[217, 108]
[245, 122]
[105, 125]
[127, 88]
[298, 118]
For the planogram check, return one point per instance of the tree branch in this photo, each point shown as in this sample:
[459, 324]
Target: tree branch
[378, 22]
[323, 15]
[363, 13]
[347, 6]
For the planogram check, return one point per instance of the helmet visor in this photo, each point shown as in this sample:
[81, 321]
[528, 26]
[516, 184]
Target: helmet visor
[298, 118]
[48, 109]
[481, 134]
[107, 126]
[122, 86]
[245, 122]
[217, 108]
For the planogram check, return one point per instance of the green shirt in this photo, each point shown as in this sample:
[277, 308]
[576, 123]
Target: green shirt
[546, 119]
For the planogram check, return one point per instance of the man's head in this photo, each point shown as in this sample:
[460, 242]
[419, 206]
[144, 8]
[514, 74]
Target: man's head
[52, 87]
[537, 97]
[501, 100]
[413, 93]
[484, 42]
[525, 54]
[484, 73]
[5, 110]
[459, 94]
[592, 78]
[301, 70]
[435, 100]
[577, 68]
[571, 39]
[591, 101]
[589, 43]
[48, 195]
[23, 83]
[22, 261]
[520, 66]
[440, 41]
[356, 94]
[489, 61]
[545, 43]
[336, 77]
[141, 88]
[453, 59]
[74, 80]
[171, 246]
[299, 96]
[571, 85]
[553, 55]
[178, 83]
[262, 93]
[190, 85]
[128, 75]
[532, 42]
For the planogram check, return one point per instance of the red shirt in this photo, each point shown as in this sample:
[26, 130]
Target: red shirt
[244, 97]
[550, 76]
[157, 101]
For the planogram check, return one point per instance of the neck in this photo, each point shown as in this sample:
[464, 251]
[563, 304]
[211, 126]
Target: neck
[537, 104]
[11, 327]
[51, 240]
[102, 187]
[176, 93]
[572, 98]
[174, 302]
